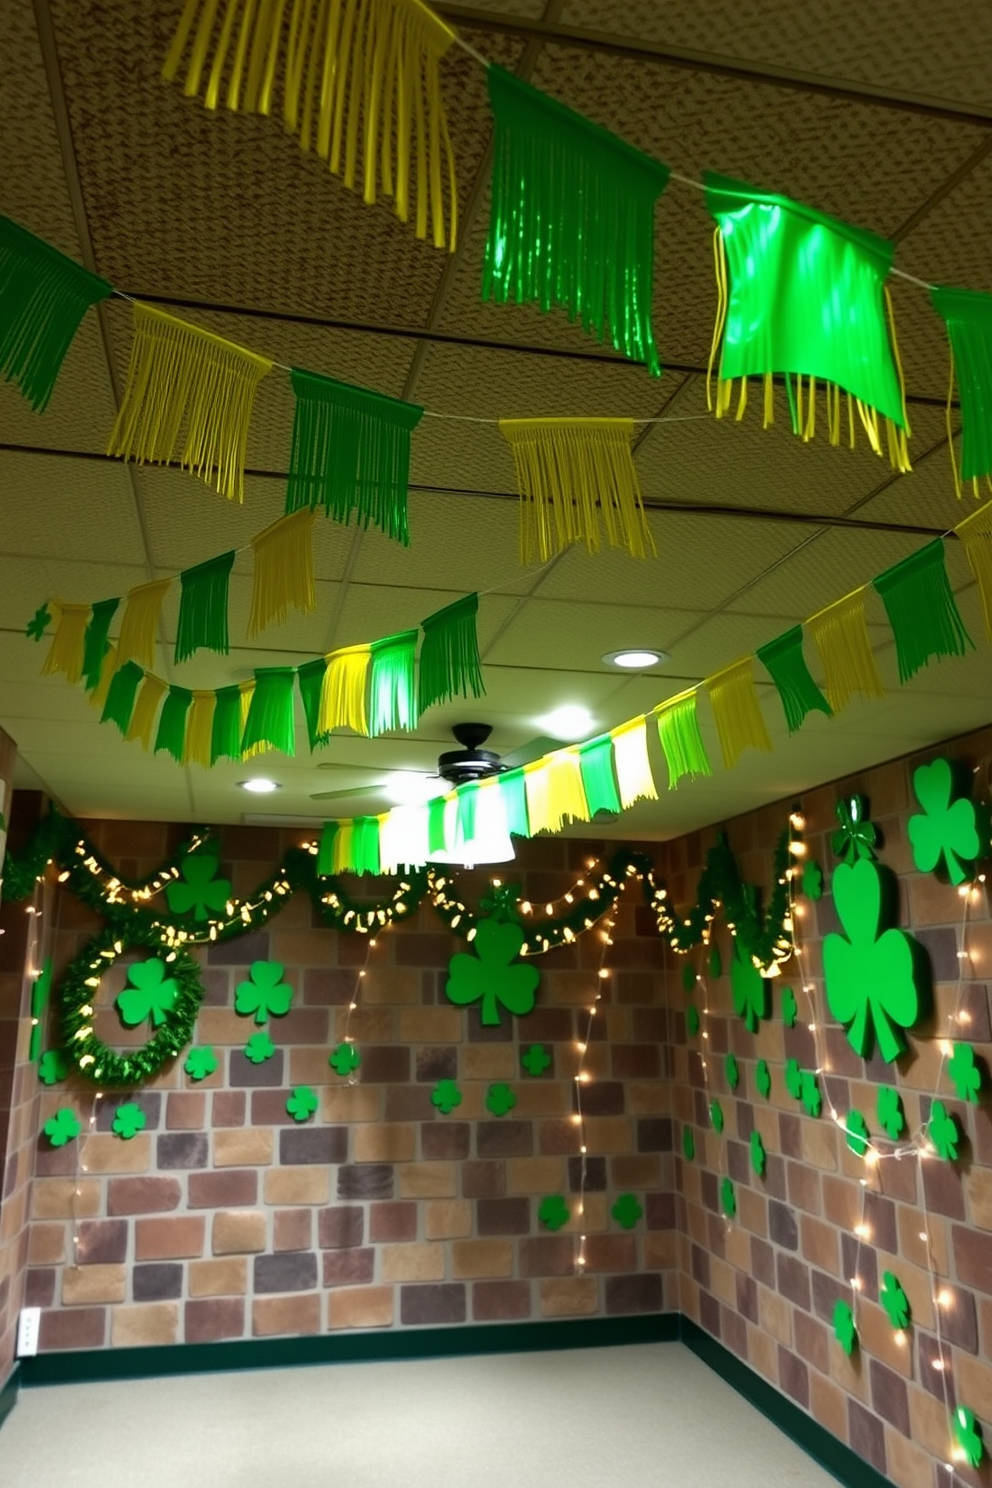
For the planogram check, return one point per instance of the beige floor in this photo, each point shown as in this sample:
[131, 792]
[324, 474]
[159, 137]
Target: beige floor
[649, 1414]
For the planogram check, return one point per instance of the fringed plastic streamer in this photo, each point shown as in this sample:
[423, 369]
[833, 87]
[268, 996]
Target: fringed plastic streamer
[342, 693]
[576, 477]
[203, 607]
[325, 852]
[311, 679]
[514, 794]
[43, 298]
[403, 838]
[351, 454]
[466, 800]
[139, 623]
[806, 297]
[150, 695]
[598, 779]
[490, 812]
[226, 726]
[100, 693]
[270, 717]
[571, 224]
[65, 654]
[919, 602]
[976, 534]
[967, 314]
[360, 84]
[199, 730]
[97, 641]
[681, 740]
[341, 849]
[188, 400]
[840, 634]
[247, 691]
[630, 755]
[449, 658]
[393, 687]
[739, 721]
[555, 794]
[437, 839]
[171, 734]
[119, 707]
[786, 664]
[283, 577]
[365, 844]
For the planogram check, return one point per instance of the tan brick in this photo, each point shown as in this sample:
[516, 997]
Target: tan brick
[827, 1404]
[308, 1066]
[636, 1170]
[238, 1230]
[535, 1175]
[360, 1307]
[217, 1025]
[428, 1180]
[169, 1239]
[243, 1146]
[881, 1341]
[46, 1244]
[350, 1103]
[412, 1262]
[928, 1419]
[648, 1098]
[368, 1025]
[979, 1187]
[308, 1185]
[147, 1323]
[775, 1313]
[906, 1462]
[821, 1244]
[394, 985]
[88, 1284]
[972, 1377]
[609, 1134]
[471, 1259]
[489, 1062]
[568, 1296]
[103, 1153]
[445, 1219]
[296, 1315]
[820, 1139]
[391, 1142]
[542, 1098]
[226, 1278]
[762, 1352]
[660, 1250]
[64, 1198]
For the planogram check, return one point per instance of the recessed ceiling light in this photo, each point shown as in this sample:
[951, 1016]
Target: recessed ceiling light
[259, 785]
[568, 722]
[635, 660]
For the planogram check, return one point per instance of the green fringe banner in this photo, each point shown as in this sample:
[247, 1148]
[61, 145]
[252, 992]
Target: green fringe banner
[97, 641]
[922, 610]
[270, 715]
[393, 688]
[514, 792]
[967, 315]
[365, 844]
[121, 696]
[784, 661]
[436, 840]
[449, 658]
[171, 734]
[681, 740]
[598, 780]
[203, 607]
[225, 731]
[311, 679]
[465, 813]
[325, 852]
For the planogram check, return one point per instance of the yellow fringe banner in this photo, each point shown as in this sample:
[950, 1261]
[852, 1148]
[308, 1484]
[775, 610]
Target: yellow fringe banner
[342, 695]
[199, 729]
[976, 534]
[139, 625]
[630, 756]
[65, 654]
[555, 793]
[739, 722]
[146, 707]
[283, 571]
[840, 635]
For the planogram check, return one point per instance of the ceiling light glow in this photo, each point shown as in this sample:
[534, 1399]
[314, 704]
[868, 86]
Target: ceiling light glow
[259, 785]
[569, 722]
[636, 659]
[412, 788]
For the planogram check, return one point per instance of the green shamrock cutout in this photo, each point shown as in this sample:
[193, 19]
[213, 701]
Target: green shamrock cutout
[198, 891]
[266, 994]
[344, 1059]
[757, 1153]
[869, 977]
[553, 1212]
[500, 1099]
[488, 975]
[716, 961]
[129, 1120]
[732, 1071]
[809, 1093]
[789, 1007]
[302, 1103]
[894, 1300]
[63, 1127]
[854, 840]
[53, 1066]
[536, 1060]
[689, 977]
[966, 1074]
[844, 1330]
[763, 1078]
[968, 1435]
[688, 1144]
[858, 1135]
[151, 995]
[259, 1048]
[39, 623]
[944, 1131]
[716, 1116]
[891, 1116]
[812, 880]
[728, 1199]
[749, 988]
[692, 1020]
[794, 1079]
[947, 829]
[446, 1096]
[627, 1211]
[200, 1062]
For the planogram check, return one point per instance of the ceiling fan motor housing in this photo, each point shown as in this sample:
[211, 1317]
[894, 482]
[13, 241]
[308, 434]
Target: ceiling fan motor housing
[460, 766]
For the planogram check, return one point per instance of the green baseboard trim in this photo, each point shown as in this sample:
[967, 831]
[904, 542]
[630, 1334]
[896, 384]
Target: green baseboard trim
[337, 1348]
[8, 1394]
[820, 1444]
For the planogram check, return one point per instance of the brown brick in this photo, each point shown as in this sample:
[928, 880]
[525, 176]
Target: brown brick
[243, 1147]
[503, 1138]
[77, 1329]
[548, 1255]
[186, 1111]
[348, 1267]
[101, 1240]
[313, 1144]
[169, 1239]
[138, 1327]
[442, 1302]
[392, 1221]
[227, 1109]
[340, 1228]
[307, 1185]
[233, 1187]
[444, 1139]
[289, 1271]
[867, 1435]
[972, 1255]
[82, 1285]
[483, 1180]
[629, 1294]
[365, 1181]
[559, 1137]
[223, 1278]
[503, 1216]
[292, 1229]
[793, 1376]
[611, 1253]
[361, 1307]
[499, 1301]
[142, 1195]
[385, 1064]
[568, 1296]
[157, 1281]
[238, 1231]
[219, 1317]
[271, 1316]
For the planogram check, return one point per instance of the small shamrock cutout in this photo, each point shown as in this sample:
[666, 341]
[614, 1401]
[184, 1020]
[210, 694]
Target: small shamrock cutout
[265, 994]
[151, 995]
[53, 1066]
[947, 829]
[810, 1093]
[854, 840]
[732, 1071]
[944, 1131]
[692, 1020]
[858, 1135]
[891, 1116]
[894, 1300]
[344, 1059]
[302, 1103]
[968, 1435]
[198, 891]
[626, 1211]
[63, 1127]
[553, 1212]
[446, 1096]
[728, 1199]
[716, 962]
[500, 1099]
[129, 1120]
[259, 1048]
[716, 1116]
[488, 974]
[757, 1153]
[536, 1059]
[965, 1073]
[812, 880]
[763, 1078]
[39, 623]
[794, 1079]
[688, 1144]
[688, 977]
[869, 975]
[200, 1062]
[789, 1007]
[844, 1330]
[749, 987]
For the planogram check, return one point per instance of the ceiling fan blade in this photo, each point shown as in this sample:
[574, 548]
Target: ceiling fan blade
[531, 751]
[352, 790]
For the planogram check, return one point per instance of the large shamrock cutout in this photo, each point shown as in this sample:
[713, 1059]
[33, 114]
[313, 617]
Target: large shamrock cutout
[943, 1131]
[488, 975]
[265, 994]
[968, 1435]
[39, 623]
[757, 1153]
[129, 1120]
[728, 1199]
[854, 840]
[345, 1059]
[869, 977]
[446, 1096]
[63, 1127]
[947, 829]
[200, 1062]
[302, 1103]
[891, 1115]
[500, 1099]
[53, 1066]
[966, 1074]
[259, 1048]
[749, 987]
[151, 995]
[844, 1329]
[536, 1060]
[894, 1300]
[553, 1212]
[198, 891]
[627, 1211]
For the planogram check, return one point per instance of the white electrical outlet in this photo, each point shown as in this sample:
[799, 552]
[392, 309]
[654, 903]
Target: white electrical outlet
[27, 1331]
